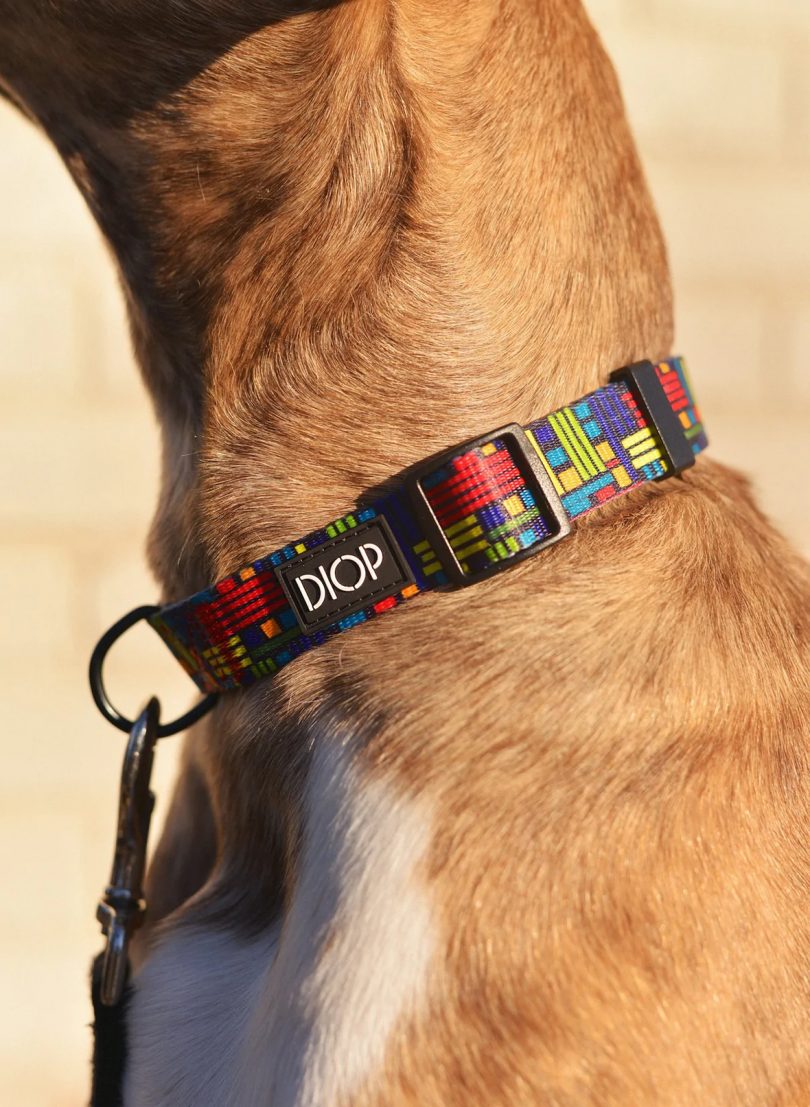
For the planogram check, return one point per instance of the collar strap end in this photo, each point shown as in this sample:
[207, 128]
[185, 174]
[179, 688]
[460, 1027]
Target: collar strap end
[660, 396]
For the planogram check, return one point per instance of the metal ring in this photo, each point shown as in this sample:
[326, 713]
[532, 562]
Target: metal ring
[100, 697]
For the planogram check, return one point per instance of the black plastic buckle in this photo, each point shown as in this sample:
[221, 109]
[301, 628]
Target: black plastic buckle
[532, 471]
[648, 392]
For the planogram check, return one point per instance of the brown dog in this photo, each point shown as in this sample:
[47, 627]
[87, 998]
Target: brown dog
[543, 841]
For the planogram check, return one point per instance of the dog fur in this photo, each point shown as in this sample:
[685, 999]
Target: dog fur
[540, 842]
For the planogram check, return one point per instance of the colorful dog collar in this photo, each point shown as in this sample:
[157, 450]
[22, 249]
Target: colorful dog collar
[456, 519]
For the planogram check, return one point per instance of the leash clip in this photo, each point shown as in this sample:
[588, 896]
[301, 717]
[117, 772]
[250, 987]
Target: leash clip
[122, 909]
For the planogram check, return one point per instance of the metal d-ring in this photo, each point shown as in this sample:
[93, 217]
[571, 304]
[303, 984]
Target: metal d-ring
[102, 700]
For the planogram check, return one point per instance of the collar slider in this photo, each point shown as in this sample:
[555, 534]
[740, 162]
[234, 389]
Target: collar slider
[659, 407]
[501, 462]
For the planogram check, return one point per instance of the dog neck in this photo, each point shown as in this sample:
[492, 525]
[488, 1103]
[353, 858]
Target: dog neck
[355, 236]
[348, 239]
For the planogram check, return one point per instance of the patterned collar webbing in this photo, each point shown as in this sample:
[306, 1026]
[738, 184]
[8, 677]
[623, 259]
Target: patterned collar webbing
[488, 510]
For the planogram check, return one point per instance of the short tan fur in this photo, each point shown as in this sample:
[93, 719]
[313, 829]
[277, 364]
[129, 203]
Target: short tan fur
[352, 234]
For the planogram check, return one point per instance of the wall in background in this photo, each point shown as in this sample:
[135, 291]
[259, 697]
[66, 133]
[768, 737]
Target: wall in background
[719, 93]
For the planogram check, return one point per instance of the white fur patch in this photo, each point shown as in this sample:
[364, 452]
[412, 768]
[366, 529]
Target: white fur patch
[302, 1016]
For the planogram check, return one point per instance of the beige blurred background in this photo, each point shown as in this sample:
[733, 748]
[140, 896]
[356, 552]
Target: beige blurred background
[719, 93]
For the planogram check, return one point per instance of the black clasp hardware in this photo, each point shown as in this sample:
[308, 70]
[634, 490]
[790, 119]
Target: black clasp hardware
[102, 700]
[648, 392]
[122, 909]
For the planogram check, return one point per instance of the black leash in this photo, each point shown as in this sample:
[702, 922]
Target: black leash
[109, 1042]
[122, 908]
[121, 911]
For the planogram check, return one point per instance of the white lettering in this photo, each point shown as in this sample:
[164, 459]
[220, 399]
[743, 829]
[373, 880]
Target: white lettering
[366, 557]
[326, 581]
[329, 588]
[360, 567]
[300, 582]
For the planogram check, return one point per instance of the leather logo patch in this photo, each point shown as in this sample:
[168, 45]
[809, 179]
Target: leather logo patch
[346, 574]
